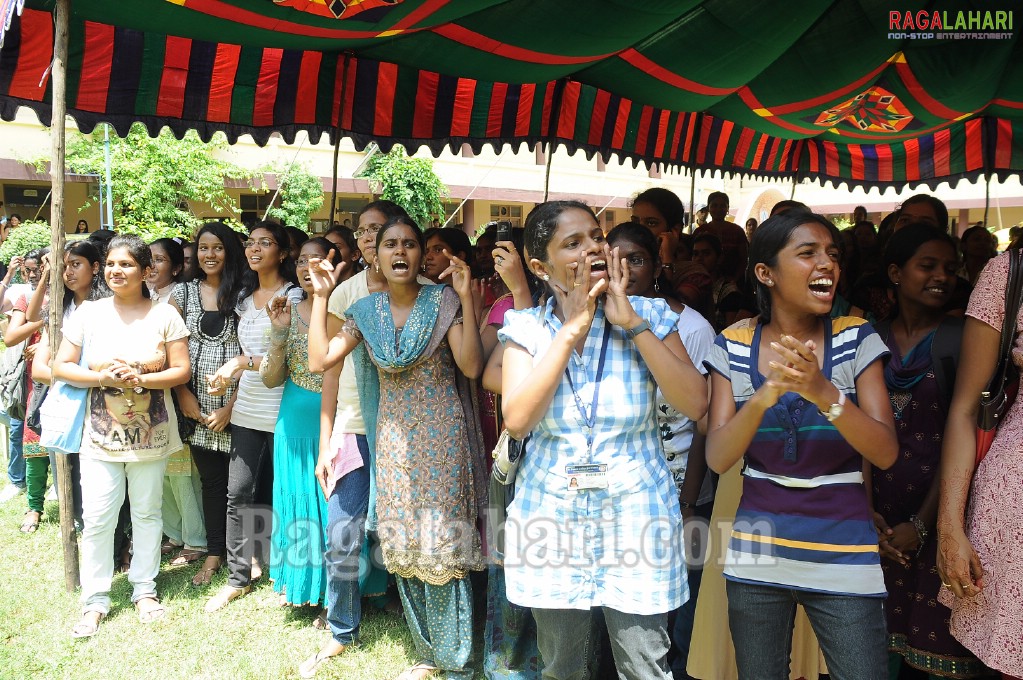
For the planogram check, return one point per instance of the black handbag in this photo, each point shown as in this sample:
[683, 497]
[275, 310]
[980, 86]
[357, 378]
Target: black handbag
[39, 392]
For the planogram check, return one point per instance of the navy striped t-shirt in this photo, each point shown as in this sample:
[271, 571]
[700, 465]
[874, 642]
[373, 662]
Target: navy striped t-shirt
[803, 521]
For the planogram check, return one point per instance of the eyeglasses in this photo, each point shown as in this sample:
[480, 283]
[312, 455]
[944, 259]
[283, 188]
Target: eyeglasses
[263, 242]
[119, 391]
[636, 260]
[304, 260]
[370, 228]
[31, 270]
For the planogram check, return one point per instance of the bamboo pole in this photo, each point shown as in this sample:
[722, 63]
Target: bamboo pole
[59, 77]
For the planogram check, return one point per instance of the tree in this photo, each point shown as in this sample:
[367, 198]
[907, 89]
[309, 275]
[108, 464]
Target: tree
[29, 236]
[409, 182]
[301, 194]
[154, 178]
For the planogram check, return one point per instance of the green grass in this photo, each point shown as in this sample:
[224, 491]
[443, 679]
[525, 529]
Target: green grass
[251, 638]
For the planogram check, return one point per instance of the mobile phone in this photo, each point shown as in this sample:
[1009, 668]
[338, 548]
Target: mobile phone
[504, 231]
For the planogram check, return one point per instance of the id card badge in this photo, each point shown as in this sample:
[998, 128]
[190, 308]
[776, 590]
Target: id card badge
[587, 476]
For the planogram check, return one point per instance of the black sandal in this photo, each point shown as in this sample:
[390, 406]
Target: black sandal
[29, 526]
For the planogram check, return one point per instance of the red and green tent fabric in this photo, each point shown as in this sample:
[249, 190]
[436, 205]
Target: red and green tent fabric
[805, 89]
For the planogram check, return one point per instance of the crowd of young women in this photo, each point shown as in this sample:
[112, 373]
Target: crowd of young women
[322, 410]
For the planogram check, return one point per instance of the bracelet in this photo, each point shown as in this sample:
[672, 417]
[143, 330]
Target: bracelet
[921, 532]
[100, 381]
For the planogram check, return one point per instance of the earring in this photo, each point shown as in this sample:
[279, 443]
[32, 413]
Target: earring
[770, 282]
[546, 277]
[377, 265]
[657, 286]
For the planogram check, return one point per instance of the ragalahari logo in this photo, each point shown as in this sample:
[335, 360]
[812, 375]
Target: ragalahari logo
[945, 25]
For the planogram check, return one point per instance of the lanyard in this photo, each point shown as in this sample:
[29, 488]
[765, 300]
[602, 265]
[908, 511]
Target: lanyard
[590, 419]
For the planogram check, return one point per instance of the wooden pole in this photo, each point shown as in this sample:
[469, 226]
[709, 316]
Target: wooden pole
[337, 139]
[987, 199]
[59, 77]
[692, 198]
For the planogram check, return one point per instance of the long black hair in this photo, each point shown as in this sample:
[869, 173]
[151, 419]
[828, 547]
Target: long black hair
[233, 275]
[89, 251]
[286, 268]
[769, 239]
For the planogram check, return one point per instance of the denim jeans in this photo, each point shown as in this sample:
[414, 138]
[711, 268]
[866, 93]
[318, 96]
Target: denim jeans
[249, 486]
[566, 638]
[851, 631]
[15, 460]
[346, 532]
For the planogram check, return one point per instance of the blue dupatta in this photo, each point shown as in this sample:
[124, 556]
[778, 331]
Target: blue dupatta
[392, 351]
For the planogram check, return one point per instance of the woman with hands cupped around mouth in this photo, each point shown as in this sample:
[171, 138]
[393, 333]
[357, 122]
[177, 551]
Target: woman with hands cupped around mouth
[580, 377]
[800, 398]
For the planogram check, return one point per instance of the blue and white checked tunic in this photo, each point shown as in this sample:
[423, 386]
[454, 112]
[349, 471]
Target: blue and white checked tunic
[618, 547]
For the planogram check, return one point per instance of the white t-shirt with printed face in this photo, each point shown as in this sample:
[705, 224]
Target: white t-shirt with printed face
[126, 425]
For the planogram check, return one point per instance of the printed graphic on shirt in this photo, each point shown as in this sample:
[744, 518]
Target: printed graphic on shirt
[129, 419]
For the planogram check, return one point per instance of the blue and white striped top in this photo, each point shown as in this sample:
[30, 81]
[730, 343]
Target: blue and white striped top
[803, 521]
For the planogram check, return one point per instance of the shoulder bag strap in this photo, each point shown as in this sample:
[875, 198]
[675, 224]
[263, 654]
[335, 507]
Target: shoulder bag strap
[1013, 290]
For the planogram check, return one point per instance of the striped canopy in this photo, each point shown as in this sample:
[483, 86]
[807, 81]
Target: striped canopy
[804, 89]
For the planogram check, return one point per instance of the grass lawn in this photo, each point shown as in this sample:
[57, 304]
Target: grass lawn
[251, 638]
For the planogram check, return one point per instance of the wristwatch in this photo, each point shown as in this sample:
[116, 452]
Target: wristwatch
[835, 409]
[251, 365]
[639, 328]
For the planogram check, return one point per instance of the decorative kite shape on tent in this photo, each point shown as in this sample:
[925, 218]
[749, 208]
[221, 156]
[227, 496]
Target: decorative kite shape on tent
[818, 91]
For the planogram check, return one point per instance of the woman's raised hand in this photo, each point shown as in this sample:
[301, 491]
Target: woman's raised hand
[324, 275]
[461, 276]
[508, 266]
[279, 311]
[580, 302]
[617, 307]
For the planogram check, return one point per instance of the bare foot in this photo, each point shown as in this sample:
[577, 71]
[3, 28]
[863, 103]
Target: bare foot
[226, 594]
[308, 668]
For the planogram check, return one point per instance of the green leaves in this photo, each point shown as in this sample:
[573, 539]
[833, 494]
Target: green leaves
[153, 179]
[409, 182]
[301, 194]
[29, 236]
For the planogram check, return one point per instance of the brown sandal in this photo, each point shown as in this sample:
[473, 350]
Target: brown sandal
[205, 574]
[187, 556]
